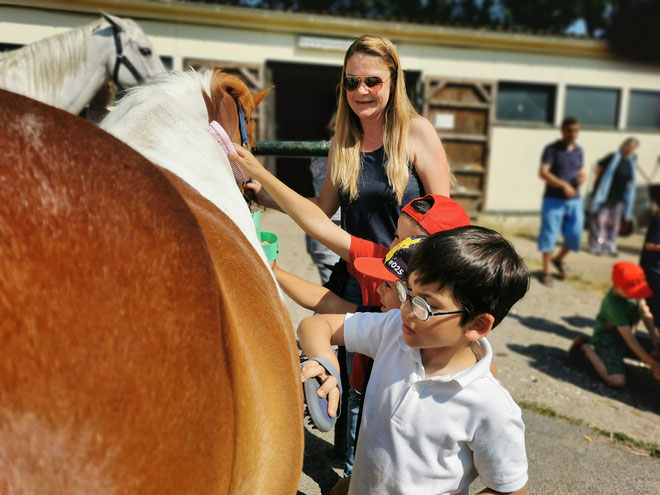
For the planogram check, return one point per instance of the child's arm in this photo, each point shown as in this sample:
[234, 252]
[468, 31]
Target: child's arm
[310, 295]
[633, 344]
[647, 318]
[316, 335]
[312, 219]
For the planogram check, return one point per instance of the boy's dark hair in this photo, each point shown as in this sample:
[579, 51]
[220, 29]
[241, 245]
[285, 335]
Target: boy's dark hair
[569, 121]
[478, 265]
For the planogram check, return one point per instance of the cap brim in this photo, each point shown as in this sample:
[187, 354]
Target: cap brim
[640, 292]
[373, 267]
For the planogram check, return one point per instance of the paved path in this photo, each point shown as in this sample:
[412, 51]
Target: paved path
[530, 347]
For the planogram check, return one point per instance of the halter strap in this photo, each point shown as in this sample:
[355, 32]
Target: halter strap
[121, 59]
[241, 124]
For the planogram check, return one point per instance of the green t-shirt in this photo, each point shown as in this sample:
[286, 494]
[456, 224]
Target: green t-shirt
[615, 312]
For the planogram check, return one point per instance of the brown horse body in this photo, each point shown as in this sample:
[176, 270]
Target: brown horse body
[145, 348]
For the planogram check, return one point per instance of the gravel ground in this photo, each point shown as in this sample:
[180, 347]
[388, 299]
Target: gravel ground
[530, 346]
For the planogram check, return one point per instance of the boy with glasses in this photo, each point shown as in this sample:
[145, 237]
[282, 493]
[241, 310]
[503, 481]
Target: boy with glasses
[434, 415]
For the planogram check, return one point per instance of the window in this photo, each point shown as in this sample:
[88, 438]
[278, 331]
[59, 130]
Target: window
[644, 110]
[522, 102]
[593, 106]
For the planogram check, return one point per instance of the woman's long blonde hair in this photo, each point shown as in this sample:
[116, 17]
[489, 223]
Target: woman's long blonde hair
[345, 168]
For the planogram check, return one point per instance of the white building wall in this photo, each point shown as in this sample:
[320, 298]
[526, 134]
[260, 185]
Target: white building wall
[512, 184]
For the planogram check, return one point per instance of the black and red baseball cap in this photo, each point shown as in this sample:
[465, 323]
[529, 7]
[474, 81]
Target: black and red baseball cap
[444, 214]
[395, 264]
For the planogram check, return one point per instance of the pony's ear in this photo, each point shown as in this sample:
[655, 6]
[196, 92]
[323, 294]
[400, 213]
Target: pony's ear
[258, 97]
[114, 21]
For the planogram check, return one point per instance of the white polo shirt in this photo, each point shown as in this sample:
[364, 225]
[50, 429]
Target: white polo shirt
[431, 435]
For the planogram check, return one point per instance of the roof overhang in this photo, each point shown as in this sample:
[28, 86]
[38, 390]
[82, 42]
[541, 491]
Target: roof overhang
[328, 25]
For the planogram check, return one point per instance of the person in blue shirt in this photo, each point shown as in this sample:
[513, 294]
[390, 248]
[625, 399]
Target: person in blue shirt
[563, 172]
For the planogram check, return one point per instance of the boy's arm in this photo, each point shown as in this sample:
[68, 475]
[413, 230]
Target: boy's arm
[647, 318]
[316, 335]
[310, 295]
[304, 212]
[633, 344]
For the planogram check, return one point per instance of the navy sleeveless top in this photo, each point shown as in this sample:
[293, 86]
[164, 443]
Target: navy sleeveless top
[374, 213]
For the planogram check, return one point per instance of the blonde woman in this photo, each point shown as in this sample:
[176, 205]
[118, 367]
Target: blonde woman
[383, 154]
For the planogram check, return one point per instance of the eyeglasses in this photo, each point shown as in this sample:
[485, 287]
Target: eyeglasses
[374, 83]
[420, 307]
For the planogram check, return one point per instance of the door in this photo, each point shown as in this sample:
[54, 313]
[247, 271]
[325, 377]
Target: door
[461, 111]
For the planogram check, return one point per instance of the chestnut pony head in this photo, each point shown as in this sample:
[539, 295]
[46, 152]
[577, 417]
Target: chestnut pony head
[226, 89]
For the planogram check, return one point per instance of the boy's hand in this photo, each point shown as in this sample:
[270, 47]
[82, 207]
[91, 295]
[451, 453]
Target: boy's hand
[255, 191]
[312, 369]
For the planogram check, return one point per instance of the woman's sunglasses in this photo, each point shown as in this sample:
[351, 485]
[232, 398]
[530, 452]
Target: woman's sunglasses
[374, 83]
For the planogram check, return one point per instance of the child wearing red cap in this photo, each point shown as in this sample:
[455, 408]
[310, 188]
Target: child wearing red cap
[614, 336]
[436, 214]
[422, 216]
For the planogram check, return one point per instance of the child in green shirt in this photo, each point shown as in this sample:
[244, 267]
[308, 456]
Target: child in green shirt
[614, 336]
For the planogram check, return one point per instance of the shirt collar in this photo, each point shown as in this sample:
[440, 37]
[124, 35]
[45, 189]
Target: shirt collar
[481, 368]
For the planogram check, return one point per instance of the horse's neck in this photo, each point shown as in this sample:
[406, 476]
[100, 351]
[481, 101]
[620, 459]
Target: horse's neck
[57, 70]
[80, 85]
[172, 133]
[79, 89]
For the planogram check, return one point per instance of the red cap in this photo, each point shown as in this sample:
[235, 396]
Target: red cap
[630, 277]
[444, 214]
[395, 264]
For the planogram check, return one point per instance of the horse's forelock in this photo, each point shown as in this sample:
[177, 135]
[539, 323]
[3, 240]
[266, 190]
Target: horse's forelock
[223, 85]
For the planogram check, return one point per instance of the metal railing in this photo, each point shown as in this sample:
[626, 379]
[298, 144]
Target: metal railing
[292, 148]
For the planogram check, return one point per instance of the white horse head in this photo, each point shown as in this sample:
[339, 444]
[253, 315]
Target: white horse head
[167, 122]
[67, 70]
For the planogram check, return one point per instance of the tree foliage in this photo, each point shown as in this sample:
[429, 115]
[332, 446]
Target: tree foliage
[545, 16]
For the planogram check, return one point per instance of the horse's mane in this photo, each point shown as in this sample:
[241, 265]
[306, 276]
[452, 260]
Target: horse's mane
[167, 122]
[51, 60]
[178, 92]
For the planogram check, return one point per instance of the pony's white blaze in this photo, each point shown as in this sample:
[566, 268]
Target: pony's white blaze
[167, 121]
[67, 70]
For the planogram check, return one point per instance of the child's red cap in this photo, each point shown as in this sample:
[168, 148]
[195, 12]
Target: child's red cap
[630, 277]
[444, 214]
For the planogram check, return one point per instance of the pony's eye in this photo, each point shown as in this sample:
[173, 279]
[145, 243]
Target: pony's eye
[145, 51]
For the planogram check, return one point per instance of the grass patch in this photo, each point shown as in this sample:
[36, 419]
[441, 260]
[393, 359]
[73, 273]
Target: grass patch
[652, 448]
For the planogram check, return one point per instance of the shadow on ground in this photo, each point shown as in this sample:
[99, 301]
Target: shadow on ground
[545, 325]
[318, 461]
[641, 392]
[579, 321]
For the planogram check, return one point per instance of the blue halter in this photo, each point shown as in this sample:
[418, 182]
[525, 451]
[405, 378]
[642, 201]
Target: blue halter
[241, 124]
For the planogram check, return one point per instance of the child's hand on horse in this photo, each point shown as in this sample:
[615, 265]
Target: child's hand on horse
[248, 162]
[312, 369]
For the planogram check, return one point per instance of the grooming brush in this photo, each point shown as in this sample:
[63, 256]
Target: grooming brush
[225, 143]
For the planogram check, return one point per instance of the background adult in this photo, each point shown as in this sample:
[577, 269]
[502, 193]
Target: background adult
[613, 197]
[563, 172]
